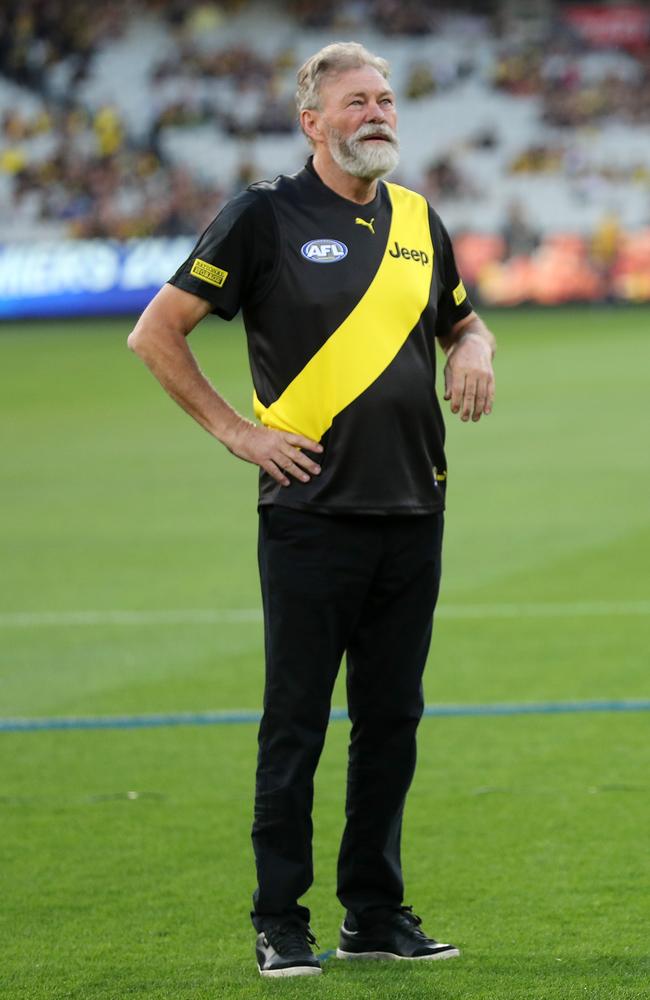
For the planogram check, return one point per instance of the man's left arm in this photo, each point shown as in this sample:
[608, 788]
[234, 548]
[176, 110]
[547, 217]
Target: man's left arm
[469, 375]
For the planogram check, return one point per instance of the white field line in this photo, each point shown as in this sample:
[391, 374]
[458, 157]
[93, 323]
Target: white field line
[239, 616]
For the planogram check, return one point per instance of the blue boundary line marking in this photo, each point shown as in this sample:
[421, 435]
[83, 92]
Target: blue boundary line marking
[338, 714]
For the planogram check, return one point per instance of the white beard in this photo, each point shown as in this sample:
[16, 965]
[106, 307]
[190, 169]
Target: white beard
[361, 158]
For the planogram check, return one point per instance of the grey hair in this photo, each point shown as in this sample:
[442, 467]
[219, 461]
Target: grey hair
[335, 58]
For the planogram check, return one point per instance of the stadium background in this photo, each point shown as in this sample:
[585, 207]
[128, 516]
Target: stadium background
[526, 124]
[129, 590]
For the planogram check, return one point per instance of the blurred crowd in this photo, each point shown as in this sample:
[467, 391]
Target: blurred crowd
[577, 90]
[36, 35]
[611, 265]
[567, 159]
[235, 89]
[394, 17]
[77, 168]
[81, 167]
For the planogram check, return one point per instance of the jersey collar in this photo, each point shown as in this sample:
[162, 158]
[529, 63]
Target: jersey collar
[310, 173]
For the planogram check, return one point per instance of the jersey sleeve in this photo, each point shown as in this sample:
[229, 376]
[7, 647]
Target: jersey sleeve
[453, 303]
[234, 259]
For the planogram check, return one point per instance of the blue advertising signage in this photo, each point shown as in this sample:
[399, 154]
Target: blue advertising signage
[86, 277]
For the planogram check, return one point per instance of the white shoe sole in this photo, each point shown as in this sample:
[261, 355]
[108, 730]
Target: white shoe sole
[439, 956]
[298, 970]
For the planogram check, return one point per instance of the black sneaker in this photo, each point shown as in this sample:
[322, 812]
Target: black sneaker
[391, 934]
[284, 949]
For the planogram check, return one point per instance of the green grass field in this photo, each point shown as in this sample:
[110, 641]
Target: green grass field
[525, 836]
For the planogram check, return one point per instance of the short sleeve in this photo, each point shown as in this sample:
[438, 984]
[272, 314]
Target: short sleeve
[234, 259]
[453, 302]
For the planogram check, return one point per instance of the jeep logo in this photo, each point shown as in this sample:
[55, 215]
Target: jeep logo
[324, 251]
[417, 255]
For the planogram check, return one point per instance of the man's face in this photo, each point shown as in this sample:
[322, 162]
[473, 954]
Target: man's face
[359, 122]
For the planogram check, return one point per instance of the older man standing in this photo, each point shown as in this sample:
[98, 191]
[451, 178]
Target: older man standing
[345, 283]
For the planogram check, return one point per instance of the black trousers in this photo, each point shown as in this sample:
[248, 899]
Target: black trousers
[365, 585]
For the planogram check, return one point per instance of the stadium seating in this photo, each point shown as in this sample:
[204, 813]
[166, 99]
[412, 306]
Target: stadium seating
[207, 95]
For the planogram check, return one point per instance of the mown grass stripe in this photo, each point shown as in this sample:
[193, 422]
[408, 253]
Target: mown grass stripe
[21, 725]
[237, 616]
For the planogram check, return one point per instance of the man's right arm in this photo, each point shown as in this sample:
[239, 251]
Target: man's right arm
[160, 339]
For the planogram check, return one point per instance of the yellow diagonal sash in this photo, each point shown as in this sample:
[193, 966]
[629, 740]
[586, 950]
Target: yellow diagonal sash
[368, 340]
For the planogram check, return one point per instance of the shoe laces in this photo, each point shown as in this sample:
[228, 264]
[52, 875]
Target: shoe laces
[406, 916]
[290, 937]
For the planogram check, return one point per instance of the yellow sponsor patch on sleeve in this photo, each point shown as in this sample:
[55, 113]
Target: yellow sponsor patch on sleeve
[208, 272]
[459, 293]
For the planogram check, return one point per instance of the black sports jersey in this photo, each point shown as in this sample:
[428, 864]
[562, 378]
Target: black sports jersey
[341, 304]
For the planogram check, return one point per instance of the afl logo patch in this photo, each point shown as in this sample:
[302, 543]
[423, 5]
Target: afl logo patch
[324, 251]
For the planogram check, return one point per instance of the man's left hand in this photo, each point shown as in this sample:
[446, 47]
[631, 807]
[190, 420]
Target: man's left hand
[469, 377]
